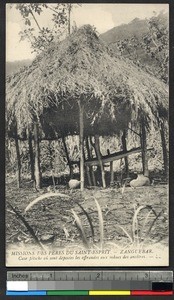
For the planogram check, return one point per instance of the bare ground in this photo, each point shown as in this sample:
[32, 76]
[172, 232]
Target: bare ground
[53, 222]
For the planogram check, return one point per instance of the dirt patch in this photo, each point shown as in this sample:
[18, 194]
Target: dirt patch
[53, 222]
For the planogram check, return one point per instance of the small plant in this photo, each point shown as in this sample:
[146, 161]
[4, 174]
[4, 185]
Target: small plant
[43, 197]
[53, 179]
[31, 204]
[27, 225]
[81, 229]
[137, 237]
[101, 227]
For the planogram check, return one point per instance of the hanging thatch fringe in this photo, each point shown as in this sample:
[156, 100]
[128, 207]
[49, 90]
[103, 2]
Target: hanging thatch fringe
[82, 67]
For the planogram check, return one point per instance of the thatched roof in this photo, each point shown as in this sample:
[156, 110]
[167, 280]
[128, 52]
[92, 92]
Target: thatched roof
[82, 68]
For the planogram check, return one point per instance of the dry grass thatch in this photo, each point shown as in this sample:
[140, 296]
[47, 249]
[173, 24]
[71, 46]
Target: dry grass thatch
[82, 68]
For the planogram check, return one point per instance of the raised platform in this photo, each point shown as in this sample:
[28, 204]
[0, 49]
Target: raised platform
[110, 157]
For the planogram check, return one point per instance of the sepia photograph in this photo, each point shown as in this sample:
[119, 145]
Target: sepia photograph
[87, 134]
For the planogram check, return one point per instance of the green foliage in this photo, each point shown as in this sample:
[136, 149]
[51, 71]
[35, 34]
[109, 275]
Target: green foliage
[146, 42]
[52, 157]
[39, 36]
[50, 161]
[156, 43]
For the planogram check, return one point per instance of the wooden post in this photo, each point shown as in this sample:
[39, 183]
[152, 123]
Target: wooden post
[163, 143]
[93, 145]
[97, 147]
[88, 147]
[144, 148]
[67, 156]
[31, 154]
[51, 165]
[84, 155]
[112, 173]
[124, 145]
[18, 159]
[51, 154]
[81, 144]
[90, 144]
[98, 167]
[88, 169]
[111, 169]
[93, 176]
[88, 175]
[37, 156]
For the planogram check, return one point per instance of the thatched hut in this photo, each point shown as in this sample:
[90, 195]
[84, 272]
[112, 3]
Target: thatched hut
[78, 86]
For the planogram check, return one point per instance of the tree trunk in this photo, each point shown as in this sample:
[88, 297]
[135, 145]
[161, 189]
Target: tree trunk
[67, 156]
[97, 147]
[37, 156]
[31, 155]
[163, 143]
[144, 148]
[18, 160]
[124, 145]
[81, 144]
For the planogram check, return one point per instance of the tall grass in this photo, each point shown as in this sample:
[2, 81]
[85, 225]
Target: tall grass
[101, 227]
[88, 218]
[43, 197]
[27, 225]
[139, 235]
[31, 204]
[81, 228]
[136, 237]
